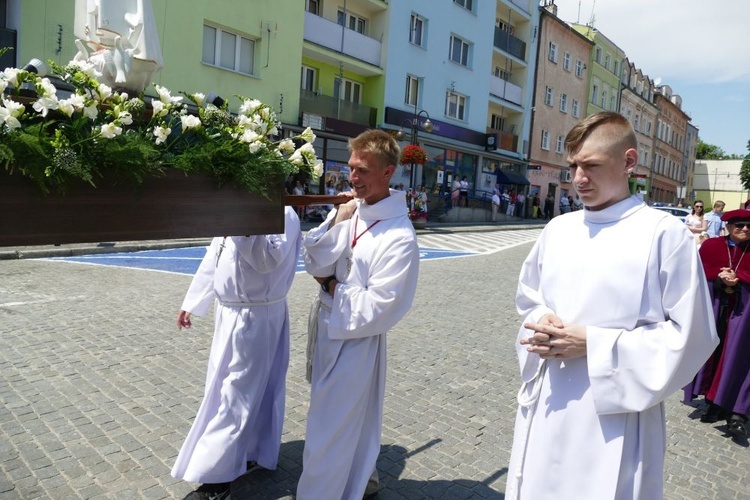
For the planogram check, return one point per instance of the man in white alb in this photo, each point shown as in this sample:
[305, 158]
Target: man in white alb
[366, 259]
[242, 413]
[598, 360]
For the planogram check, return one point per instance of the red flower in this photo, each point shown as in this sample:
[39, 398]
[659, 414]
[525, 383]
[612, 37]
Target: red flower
[413, 153]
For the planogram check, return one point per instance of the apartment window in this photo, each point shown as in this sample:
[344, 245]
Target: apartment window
[347, 90]
[466, 4]
[308, 77]
[612, 102]
[645, 157]
[560, 144]
[549, 96]
[617, 68]
[564, 103]
[598, 55]
[545, 140]
[576, 108]
[606, 61]
[411, 96]
[580, 66]
[313, 6]
[455, 105]
[604, 98]
[228, 50]
[459, 51]
[351, 21]
[416, 30]
[552, 53]
[497, 122]
[595, 94]
[566, 61]
[636, 123]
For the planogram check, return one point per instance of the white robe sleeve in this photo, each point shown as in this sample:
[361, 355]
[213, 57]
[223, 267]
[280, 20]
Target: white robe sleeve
[200, 296]
[634, 370]
[373, 310]
[323, 247]
[531, 307]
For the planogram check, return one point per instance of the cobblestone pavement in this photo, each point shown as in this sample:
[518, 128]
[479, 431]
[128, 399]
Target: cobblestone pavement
[98, 389]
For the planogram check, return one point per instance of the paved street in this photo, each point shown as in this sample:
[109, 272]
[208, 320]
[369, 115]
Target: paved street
[98, 389]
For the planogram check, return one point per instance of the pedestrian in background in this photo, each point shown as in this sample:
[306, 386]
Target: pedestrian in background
[535, 206]
[725, 378]
[714, 225]
[242, 413]
[598, 360]
[495, 206]
[695, 221]
[366, 259]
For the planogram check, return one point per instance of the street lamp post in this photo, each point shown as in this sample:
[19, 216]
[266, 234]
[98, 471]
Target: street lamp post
[415, 125]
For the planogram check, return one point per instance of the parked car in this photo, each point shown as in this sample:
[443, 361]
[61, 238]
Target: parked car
[676, 211]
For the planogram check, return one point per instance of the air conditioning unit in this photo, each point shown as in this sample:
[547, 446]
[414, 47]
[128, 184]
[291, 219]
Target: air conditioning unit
[566, 176]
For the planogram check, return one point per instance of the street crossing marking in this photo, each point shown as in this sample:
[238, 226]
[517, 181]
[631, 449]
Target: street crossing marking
[431, 247]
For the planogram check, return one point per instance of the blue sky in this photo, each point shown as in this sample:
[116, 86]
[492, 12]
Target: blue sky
[698, 48]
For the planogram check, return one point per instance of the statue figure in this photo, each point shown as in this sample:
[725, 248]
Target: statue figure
[119, 38]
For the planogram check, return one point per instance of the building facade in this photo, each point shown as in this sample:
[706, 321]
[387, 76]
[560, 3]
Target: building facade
[636, 104]
[716, 180]
[560, 98]
[667, 175]
[605, 66]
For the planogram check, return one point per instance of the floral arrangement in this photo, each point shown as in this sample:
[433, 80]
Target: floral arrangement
[413, 154]
[96, 134]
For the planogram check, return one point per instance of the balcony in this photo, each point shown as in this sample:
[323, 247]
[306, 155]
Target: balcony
[505, 140]
[8, 39]
[506, 90]
[327, 106]
[335, 37]
[510, 44]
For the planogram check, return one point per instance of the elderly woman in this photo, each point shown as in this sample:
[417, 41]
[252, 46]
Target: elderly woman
[725, 378]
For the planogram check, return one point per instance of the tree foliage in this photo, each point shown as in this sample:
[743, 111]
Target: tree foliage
[706, 151]
[745, 169]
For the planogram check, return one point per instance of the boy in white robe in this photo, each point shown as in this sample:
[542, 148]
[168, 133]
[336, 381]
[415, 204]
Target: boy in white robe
[366, 258]
[599, 358]
[242, 413]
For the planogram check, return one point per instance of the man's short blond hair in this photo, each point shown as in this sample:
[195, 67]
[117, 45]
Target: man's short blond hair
[378, 143]
[614, 127]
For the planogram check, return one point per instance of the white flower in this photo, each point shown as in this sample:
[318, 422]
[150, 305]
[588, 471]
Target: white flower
[46, 87]
[165, 96]
[158, 109]
[273, 131]
[307, 149]
[245, 122]
[124, 96]
[16, 109]
[125, 118]
[255, 146]
[198, 98]
[110, 130]
[249, 136]
[3, 84]
[11, 74]
[91, 112]
[297, 159]
[249, 106]
[317, 169]
[190, 121]
[161, 134]
[286, 146]
[86, 68]
[44, 104]
[104, 91]
[308, 135]
[77, 101]
[65, 106]
[10, 113]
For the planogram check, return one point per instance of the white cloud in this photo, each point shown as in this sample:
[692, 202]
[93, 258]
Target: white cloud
[689, 40]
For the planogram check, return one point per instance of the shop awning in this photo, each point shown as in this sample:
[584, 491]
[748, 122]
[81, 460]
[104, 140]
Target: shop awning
[511, 178]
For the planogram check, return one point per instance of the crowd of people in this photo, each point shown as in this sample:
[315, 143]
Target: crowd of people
[596, 362]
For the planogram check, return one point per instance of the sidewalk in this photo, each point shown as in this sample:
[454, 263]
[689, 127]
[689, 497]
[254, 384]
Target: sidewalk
[73, 249]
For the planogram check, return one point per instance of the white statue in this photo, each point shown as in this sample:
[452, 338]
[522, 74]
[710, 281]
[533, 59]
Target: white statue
[119, 38]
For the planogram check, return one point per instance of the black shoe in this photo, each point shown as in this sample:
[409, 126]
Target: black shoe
[713, 414]
[210, 491]
[736, 426]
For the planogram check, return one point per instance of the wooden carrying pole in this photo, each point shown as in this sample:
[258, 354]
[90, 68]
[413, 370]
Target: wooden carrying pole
[293, 200]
